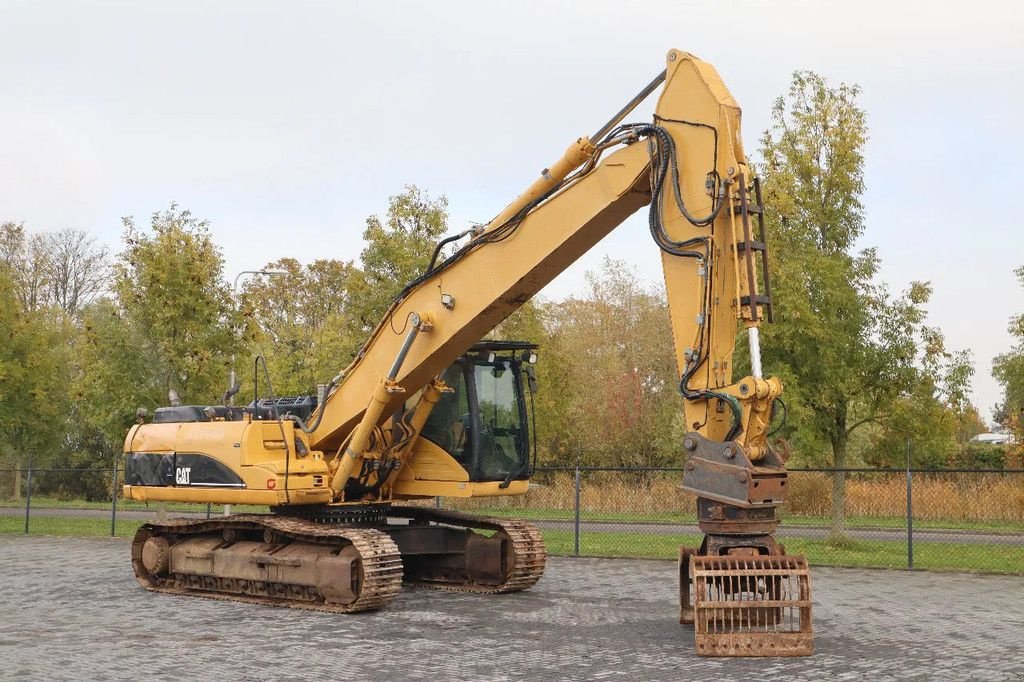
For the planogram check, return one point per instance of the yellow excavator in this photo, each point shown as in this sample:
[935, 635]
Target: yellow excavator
[426, 409]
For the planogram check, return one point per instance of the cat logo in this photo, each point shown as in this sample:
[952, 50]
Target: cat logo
[182, 475]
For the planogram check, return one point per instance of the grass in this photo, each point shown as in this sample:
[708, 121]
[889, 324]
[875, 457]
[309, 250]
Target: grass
[552, 514]
[854, 522]
[49, 502]
[618, 545]
[68, 526]
[849, 553]
[852, 553]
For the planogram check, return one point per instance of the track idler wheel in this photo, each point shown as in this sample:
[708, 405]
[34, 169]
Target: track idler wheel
[155, 556]
[150, 558]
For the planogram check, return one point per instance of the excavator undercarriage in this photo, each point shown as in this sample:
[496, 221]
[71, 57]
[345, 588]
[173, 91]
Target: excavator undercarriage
[320, 562]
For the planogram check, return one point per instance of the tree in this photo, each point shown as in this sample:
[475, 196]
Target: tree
[607, 372]
[34, 373]
[929, 416]
[301, 322]
[24, 255]
[310, 322]
[1008, 370]
[115, 375]
[169, 284]
[77, 269]
[969, 425]
[398, 249]
[846, 347]
[67, 268]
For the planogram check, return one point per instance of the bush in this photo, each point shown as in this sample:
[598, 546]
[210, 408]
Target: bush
[982, 456]
[91, 485]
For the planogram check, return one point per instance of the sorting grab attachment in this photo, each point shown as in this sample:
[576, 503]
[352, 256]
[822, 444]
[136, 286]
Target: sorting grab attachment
[749, 605]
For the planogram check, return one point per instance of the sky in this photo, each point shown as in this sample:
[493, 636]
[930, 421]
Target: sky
[286, 124]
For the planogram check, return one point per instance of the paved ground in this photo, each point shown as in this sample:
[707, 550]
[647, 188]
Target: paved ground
[785, 531]
[70, 609]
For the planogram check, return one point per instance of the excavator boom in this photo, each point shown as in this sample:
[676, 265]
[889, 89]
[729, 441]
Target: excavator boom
[557, 220]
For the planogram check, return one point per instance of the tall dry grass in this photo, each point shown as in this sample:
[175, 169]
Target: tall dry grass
[606, 492]
[958, 497]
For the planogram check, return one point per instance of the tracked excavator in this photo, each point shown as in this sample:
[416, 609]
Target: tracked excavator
[426, 409]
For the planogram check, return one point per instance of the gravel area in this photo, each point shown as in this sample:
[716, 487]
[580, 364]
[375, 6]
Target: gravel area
[70, 609]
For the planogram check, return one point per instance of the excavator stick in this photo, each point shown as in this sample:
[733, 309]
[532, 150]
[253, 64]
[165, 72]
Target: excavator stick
[747, 605]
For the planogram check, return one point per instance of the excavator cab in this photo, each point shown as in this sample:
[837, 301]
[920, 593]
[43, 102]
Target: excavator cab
[483, 422]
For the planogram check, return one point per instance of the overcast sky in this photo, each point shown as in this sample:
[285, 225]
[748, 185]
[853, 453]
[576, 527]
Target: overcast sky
[286, 124]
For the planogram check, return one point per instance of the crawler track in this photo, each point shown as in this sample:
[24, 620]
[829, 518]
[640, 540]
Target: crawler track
[381, 563]
[529, 554]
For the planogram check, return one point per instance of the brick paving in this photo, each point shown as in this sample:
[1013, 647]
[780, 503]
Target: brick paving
[70, 609]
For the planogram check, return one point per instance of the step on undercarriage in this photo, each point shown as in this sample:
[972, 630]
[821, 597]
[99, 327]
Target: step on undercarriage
[315, 562]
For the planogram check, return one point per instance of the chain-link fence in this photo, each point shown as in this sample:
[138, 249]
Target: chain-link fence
[80, 502]
[920, 518]
[955, 519]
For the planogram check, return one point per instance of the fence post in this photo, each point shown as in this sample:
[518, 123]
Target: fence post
[910, 512]
[208, 508]
[113, 499]
[28, 494]
[576, 509]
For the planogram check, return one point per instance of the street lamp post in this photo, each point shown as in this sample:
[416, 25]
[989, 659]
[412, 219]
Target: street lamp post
[234, 299]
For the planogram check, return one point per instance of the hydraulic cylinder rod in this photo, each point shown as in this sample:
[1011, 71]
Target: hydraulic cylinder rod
[630, 106]
[374, 411]
[575, 156]
[754, 337]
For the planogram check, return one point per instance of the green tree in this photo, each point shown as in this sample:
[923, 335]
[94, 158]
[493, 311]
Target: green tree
[169, 284]
[845, 346]
[607, 372]
[970, 424]
[43, 280]
[929, 416]
[301, 322]
[310, 322]
[1008, 370]
[115, 378]
[34, 373]
[398, 249]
